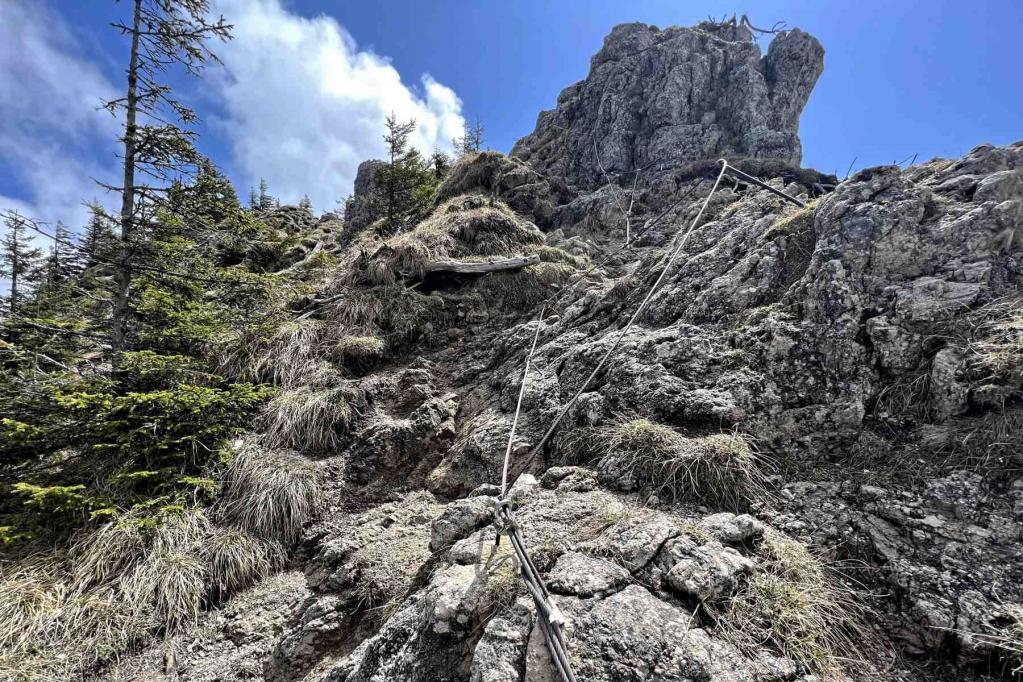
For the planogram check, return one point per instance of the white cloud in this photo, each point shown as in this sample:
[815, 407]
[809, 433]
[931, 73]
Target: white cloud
[304, 106]
[52, 127]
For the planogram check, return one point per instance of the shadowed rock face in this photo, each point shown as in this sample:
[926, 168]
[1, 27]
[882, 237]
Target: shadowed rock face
[677, 95]
[359, 210]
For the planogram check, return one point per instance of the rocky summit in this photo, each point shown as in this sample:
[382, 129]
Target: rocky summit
[802, 463]
[660, 97]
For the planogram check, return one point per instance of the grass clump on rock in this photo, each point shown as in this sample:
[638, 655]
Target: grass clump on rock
[719, 470]
[462, 228]
[311, 418]
[795, 223]
[283, 356]
[141, 573]
[793, 601]
[237, 559]
[270, 493]
[52, 631]
[393, 312]
[996, 346]
[351, 349]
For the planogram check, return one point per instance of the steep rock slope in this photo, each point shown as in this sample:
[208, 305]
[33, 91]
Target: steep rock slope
[801, 465]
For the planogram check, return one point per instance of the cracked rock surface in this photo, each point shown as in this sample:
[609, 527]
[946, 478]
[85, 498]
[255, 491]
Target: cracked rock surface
[676, 95]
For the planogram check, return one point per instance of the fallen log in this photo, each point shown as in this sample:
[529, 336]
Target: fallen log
[468, 268]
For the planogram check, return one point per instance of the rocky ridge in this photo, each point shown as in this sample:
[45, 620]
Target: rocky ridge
[866, 348]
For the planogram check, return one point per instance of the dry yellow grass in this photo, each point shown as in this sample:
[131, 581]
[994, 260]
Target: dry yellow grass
[351, 349]
[996, 343]
[463, 227]
[131, 578]
[270, 493]
[795, 603]
[720, 470]
[311, 418]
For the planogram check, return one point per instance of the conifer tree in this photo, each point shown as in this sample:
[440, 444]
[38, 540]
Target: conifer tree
[471, 142]
[306, 203]
[60, 265]
[441, 163]
[98, 241]
[19, 259]
[156, 146]
[406, 183]
[266, 202]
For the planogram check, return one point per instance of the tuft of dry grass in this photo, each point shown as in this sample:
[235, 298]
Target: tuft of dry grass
[110, 550]
[311, 418]
[122, 582]
[553, 254]
[31, 595]
[355, 350]
[992, 443]
[237, 559]
[270, 493]
[720, 470]
[53, 631]
[181, 531]
[797, 222]
[794, 602]
[170, 582]
[392, 311]
[526, 287]
[283, 355]
[1007, 640]
[996, 343]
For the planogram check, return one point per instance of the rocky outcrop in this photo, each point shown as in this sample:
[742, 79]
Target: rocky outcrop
[861, 355]
[361, 209]
[665, 97]
[508, 179]
[630, 600]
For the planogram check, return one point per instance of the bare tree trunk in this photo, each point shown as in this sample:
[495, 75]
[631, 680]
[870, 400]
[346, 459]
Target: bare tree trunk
[123, 278]
[14, 284]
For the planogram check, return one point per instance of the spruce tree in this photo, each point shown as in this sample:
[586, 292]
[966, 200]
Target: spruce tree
[405, 185]
[266, 202]
[19, 259]
[98, 241]
[60, 265]
[441, 163]
[471, 142]
[156, 146]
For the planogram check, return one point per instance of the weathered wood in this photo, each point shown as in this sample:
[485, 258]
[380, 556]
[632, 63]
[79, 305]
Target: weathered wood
[466, 268]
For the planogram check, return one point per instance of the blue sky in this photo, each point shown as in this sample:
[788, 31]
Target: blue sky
[306, 83]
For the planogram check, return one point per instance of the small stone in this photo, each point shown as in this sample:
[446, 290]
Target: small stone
[584, 576]
[729, 528]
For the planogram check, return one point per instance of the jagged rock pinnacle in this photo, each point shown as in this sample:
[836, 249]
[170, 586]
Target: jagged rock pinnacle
[677, 95]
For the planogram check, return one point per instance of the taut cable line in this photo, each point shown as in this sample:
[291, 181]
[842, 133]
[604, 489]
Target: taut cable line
[550, 618]
[628, 327]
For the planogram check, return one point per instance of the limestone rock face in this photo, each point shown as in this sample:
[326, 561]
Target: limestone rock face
[675, 95]
[359, 209]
